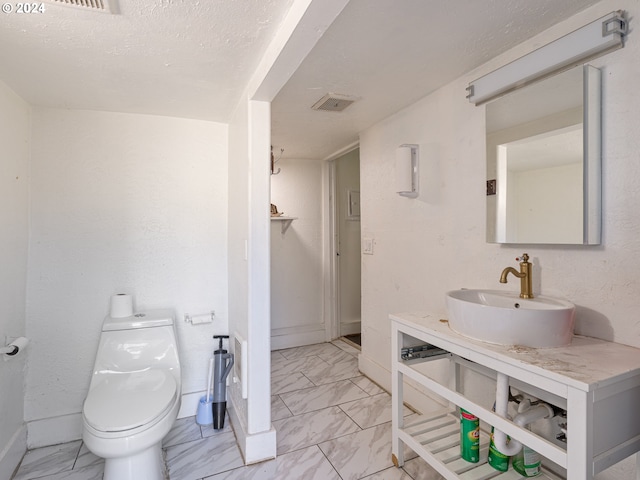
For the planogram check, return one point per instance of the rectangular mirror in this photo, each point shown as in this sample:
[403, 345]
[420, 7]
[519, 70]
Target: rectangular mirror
[543, 162]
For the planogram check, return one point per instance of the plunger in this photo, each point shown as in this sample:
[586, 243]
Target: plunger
[223, 364]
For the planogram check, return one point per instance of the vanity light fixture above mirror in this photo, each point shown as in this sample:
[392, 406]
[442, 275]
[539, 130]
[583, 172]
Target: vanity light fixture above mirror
[594, 39]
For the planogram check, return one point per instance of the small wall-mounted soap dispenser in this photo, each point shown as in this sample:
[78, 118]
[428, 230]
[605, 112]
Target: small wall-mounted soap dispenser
[407, 170]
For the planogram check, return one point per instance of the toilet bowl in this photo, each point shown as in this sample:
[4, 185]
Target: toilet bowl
[134, 395]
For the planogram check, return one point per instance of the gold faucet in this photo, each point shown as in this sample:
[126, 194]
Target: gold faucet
[524, 275]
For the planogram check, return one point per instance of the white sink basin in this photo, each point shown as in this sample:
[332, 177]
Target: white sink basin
[504, 318]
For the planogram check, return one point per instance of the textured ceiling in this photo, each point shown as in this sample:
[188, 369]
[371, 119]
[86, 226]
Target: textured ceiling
[390, 53]
[193, 59]
[166, 57]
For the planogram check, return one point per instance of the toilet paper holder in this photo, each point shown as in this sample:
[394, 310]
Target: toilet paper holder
[200, 318]
[10, 350]
[14, 346]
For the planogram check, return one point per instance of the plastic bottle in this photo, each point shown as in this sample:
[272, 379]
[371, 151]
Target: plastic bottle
[527, 462]
[469, 436]
[496, 458]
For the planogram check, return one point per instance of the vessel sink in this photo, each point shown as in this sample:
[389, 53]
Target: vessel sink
[504, 318]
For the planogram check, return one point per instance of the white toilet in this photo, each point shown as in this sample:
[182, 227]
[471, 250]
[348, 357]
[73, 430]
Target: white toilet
[134, 396]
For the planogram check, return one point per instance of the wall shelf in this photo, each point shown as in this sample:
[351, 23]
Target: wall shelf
[285, 221]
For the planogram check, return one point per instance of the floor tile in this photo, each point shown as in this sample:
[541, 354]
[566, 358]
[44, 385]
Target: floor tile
[278, 409]
[48, 460]
[209, 431]
[87, 458]
[308, 350]
[286, 366]
[321, 375]
[341, 356]
[88, 472]
[392, 473]
[312, 428]
[275, 356]
[362, 453]
[316, 398]
[371, 411]
[367, 385]
[346, 347]
[421, 470]
[202, 458]
[183, 430]
[306, 464]
[289, 383]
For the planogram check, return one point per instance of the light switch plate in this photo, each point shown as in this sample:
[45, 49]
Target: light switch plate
[367, 246]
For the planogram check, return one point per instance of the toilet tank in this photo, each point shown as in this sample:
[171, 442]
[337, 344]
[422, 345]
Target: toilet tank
[138, 342]
[146, 319]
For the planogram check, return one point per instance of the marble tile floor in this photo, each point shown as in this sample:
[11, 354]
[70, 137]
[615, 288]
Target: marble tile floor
[332, 423]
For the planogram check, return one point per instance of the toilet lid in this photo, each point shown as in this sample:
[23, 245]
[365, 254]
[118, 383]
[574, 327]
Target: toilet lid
[122, 401]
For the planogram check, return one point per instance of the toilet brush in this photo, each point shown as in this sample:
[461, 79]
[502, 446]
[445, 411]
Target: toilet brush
[204, 413]
[209, 379]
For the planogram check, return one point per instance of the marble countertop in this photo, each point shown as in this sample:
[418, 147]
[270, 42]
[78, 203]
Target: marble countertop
[587, 363]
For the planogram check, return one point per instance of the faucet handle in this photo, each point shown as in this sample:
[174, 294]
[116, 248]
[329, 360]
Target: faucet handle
[523, 258]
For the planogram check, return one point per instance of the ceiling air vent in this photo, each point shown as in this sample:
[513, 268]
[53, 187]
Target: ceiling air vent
[333, 102]
[106, 6]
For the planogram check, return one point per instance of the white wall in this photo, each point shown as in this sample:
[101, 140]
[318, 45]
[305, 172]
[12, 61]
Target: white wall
[119, 203]
[249, 270]
[297, 313]
[435, 243]
[14, 177]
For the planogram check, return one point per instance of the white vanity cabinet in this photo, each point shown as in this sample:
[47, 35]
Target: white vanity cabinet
[595, 381]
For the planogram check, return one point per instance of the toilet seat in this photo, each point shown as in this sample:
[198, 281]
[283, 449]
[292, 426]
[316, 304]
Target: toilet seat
[124, 401]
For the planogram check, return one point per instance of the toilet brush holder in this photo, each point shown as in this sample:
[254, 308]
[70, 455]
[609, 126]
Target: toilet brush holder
[204, 414]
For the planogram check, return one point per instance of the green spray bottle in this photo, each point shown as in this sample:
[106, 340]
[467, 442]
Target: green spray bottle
[527, 462]
[469, 436]
[496, 458]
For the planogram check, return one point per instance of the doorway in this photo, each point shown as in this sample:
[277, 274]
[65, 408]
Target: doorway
[346, 213]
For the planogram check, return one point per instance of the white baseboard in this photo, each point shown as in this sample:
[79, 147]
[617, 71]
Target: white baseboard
[256, 447]
[54, 430]
[67, 428]
[291, 337]
[13, 452]
[189, 405]
[350, 328]
[415, 398]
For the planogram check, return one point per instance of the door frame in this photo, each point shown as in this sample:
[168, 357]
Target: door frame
[332, 261]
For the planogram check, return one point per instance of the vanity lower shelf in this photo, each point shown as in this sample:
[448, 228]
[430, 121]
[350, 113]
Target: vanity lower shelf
[436, 438]
[595, 382]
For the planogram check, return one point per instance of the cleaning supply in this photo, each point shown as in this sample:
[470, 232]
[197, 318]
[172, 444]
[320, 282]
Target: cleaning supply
[527, 462]
[222, 368]
[204, 414]
[496, 458]
[469, 436]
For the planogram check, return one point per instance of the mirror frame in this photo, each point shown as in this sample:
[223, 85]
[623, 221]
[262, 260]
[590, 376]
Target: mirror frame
[592, 156]
[592, 166]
